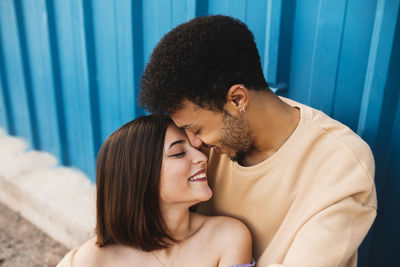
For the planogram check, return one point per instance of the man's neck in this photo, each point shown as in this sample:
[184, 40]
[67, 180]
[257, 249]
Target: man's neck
[272, 121]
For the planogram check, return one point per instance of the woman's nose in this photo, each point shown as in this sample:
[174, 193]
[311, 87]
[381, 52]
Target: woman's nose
[199, 157]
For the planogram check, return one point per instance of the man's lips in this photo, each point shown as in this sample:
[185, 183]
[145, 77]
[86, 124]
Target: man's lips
[218, 150]
[199, 176]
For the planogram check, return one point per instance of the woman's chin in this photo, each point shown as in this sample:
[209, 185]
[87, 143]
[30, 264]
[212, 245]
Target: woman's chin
[194, 195]
[201, 194]
[205, 194]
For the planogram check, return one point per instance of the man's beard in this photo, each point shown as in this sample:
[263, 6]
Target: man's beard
[236, 136]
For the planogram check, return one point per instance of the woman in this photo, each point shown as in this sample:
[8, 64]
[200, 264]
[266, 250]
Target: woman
[148, 175]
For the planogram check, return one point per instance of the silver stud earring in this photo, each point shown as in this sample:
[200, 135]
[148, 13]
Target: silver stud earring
[243, 109]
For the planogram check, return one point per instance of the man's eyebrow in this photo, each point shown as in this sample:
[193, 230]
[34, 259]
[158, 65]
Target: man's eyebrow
[181, 141]
[186, 126]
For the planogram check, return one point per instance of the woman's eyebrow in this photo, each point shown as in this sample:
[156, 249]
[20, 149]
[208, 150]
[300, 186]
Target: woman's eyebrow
[181, 141]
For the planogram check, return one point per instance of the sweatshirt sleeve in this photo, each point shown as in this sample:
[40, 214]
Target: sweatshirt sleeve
[332, 236]
[336, 215]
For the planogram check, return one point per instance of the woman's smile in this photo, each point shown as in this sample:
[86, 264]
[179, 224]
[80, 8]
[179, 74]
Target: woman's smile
[198, 176]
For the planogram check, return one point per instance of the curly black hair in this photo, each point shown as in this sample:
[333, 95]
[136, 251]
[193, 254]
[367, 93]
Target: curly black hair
[199, 61]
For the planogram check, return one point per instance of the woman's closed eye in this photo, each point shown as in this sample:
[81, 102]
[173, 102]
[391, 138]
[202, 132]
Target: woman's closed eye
[178, 155]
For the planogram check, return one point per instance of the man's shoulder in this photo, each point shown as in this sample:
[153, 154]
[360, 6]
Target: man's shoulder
[338, 150]
[327, 145]
[340, 139]
[319, 129]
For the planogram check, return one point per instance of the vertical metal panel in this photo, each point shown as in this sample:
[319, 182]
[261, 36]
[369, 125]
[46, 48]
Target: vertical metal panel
[138, 49]
[56, 71]
[106, 40]
[157, 22]
[359, 20]
[340, 63]
[304, 32]
[271, 53]
[217, 7]
[380, 126]
[125, 77]
[326, 54]
[383, 249]
[4, 107]
[325, 41]
[182, 10]
[14, 70]
[114, 65]
[256, 11]
[75, 84]
[237, 9]
[41, 72]
[378, 65]
[201, 7]
[3, 115]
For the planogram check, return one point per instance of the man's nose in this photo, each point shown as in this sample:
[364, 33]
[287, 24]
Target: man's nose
[194, 140]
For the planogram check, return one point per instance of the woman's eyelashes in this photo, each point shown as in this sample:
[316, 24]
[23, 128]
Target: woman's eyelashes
[178, 155]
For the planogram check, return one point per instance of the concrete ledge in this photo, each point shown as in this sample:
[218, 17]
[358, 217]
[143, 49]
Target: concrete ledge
[58, 200]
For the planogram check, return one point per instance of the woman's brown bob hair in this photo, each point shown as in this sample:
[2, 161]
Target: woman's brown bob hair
[127, 179]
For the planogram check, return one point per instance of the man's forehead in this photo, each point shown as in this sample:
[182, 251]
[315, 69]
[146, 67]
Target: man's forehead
[185, 116]
[183, 121]
[188, 105]
[191, 115]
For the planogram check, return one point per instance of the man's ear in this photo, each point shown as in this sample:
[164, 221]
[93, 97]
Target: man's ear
[237, 99]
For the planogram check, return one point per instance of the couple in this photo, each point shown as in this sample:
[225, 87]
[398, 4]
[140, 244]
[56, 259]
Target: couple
[300, 181]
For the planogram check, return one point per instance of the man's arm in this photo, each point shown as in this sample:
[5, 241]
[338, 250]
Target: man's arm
[337, 210]
[331, 237]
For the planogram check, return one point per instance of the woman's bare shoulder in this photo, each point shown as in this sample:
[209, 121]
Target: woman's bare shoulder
[224, 224]
[231, 238]
[226, 228]
[88, 254]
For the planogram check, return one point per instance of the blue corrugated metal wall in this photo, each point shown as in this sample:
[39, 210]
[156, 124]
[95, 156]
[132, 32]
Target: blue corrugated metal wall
[69, 71]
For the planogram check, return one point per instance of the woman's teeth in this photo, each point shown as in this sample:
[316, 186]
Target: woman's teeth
[199, 177]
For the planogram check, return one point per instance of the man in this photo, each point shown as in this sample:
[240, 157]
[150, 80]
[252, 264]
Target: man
[301, 181]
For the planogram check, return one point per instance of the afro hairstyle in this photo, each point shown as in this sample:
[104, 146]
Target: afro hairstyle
[199, 61]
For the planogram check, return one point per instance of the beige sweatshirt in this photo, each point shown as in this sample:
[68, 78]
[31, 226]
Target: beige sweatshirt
[309, 204]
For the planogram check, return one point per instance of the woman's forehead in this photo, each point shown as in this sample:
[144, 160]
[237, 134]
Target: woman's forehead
[173, 134]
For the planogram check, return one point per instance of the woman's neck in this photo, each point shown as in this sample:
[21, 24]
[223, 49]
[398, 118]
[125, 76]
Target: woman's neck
[177, 220]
